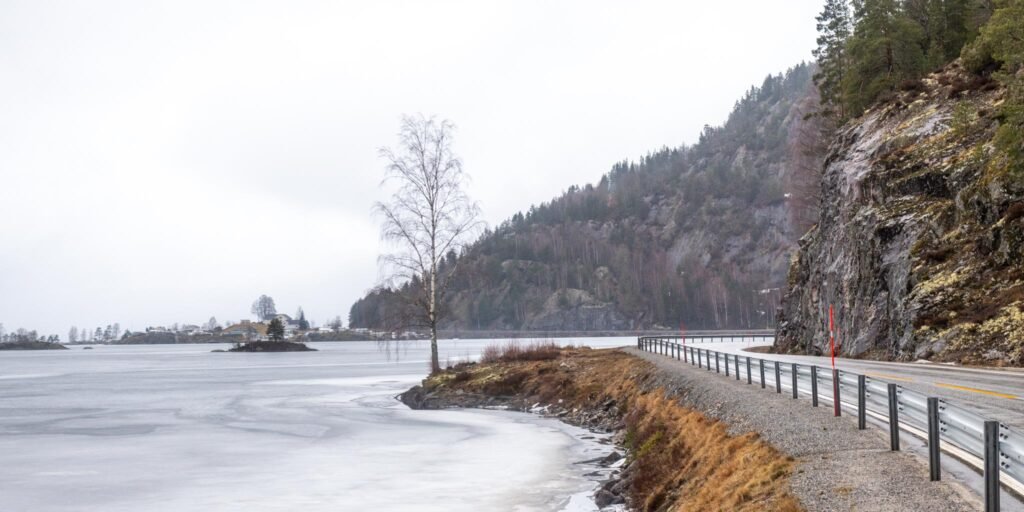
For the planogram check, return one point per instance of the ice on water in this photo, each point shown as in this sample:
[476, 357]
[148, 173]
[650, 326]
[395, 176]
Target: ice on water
[170, 428]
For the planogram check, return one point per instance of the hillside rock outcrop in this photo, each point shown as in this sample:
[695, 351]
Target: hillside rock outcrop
[918, 247]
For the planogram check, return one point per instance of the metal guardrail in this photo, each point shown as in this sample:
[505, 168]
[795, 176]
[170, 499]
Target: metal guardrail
[713, 337]
[993, 447]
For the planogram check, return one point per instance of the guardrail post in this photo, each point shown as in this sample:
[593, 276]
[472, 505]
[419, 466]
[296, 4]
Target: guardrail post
[761, 363]
[894, 420]
[862, 402]
[796, 392]
[814, 386]
[749, 380]
[726, 365]
[700, 360]
[686, 358]
[991, 466]
[778, 379]
[708, 352]
[736, 363]
[639, 341]
[837, 405]
[718, 369]
[933, 440]
[679, 352]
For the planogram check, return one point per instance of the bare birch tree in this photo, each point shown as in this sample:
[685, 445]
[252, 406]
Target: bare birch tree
[428, 216]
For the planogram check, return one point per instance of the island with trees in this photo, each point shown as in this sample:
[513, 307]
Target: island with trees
[274, 341]
[23, 339]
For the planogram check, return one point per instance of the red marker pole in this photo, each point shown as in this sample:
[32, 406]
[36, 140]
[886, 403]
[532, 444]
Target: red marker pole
[831, 335]
[837, 408]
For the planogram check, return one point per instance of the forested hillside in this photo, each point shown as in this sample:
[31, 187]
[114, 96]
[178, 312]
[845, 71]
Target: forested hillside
[698, 235]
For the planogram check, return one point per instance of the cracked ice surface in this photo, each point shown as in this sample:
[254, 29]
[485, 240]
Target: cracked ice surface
[169, 428]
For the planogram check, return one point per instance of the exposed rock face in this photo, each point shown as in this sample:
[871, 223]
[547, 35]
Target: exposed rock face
[919, 243]
[579, 310]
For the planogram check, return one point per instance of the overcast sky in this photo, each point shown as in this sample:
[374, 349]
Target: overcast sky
[164, 162]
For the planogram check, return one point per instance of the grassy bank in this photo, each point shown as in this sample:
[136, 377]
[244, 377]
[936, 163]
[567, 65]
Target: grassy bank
[678, 458]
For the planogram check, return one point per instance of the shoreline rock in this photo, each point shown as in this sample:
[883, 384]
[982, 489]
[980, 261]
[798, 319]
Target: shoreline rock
[270, 346]
[31, 345]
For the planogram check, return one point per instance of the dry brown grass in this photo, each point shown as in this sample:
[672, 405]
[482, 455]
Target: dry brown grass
[683, 460]
[688, 462]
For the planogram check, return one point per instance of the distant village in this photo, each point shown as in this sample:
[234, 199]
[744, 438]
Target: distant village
[296, 328]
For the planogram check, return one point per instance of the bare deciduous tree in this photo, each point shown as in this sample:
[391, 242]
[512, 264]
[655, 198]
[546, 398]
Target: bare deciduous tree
[335, 324]
[264, 308]
[429, 215]
[807, 145]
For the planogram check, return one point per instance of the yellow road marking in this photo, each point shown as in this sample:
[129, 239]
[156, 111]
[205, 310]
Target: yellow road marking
[975, 390]
[888, 377]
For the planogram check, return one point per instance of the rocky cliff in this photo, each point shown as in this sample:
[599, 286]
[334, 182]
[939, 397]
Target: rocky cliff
[919, 242]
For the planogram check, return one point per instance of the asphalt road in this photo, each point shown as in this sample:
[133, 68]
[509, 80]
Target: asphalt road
[996, 393]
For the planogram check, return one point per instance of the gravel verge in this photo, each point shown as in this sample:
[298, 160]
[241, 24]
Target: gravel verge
[839, 468]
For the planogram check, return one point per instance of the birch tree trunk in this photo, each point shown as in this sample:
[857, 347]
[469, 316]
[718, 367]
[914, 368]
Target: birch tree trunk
[428, 217]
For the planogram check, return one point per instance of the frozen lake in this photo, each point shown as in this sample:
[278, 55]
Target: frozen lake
[176, 427]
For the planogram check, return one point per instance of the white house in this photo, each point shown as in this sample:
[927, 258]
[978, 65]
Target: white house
[290, 326]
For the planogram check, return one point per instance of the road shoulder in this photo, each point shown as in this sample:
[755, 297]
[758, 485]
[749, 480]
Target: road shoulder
[839, 467]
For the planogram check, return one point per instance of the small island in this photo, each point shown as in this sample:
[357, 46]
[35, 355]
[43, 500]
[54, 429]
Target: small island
[270, 346]
[31, 345]
[276, 342]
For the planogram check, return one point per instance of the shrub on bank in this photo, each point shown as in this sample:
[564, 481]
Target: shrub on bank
[513, 351]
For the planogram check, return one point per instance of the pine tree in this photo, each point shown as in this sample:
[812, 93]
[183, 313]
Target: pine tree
[884, 50]
[834, 25]
[276, 330]
[1001, 42]
[945, 27]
